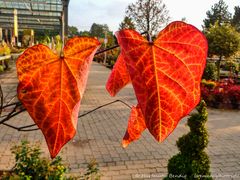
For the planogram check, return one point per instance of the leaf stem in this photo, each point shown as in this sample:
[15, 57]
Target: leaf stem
[149, 38]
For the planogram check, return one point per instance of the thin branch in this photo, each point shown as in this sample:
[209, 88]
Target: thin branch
[11, 99]
[21, 128]
[24, 128]
[8, 125]
[12, 104]
[11, 115]
[28, 128]
[105, 50]
[99, 107]
[113, 47]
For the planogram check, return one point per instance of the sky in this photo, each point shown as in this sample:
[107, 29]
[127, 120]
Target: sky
[83, 13]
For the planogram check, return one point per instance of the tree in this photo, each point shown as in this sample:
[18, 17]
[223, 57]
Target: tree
[192, 162]
[210, 72]
[127, 23]
[218, 13]
[84, 33]
[184, 19]
[110, 40]
[236, 18]
[99, 30]
[148, 15]
[223, 41]
[72, 31]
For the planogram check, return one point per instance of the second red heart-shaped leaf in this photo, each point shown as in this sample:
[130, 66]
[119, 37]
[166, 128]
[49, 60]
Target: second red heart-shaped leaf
[165, 74]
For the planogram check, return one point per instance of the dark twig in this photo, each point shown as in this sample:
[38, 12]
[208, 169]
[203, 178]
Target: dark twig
[28, 128]
[99, 107]
[24, 128]
[11, 115]
[12, 104]
[8, 125]
[15, 113]
[113, 47]
[11, 99]
[108, 49]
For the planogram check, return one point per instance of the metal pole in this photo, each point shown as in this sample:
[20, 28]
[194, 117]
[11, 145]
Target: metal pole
[1, 34]
[105, 45]
[65, 10]
[62, 34]
[64, 22]
[15, 32]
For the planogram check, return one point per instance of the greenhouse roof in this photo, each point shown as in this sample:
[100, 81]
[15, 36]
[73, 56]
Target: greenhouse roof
[33, 14]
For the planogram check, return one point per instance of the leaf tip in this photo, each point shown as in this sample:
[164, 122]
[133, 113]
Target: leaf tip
[110, 91]
[53, 154]
[125, 143]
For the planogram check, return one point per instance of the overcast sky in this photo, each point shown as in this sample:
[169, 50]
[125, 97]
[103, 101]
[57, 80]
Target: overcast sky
[83, 13]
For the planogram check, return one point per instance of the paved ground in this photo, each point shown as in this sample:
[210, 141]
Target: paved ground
[99, 136]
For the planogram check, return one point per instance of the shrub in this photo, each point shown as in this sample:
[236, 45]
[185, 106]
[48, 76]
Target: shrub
[209, 84]
[231, 66]
[16, 50]
[58, 44]
[234, 96]
[225, 94]
[1, 68]
[29, 164]
[4, 51]
[92, 171]
[192, 162]
[218, 96]
[207, 92]
[99, 58]
[210, 72]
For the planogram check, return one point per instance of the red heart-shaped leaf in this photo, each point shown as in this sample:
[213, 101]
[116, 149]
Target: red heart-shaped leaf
[165, 74]
[136, 125]
[51, 87]
[119, 77]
